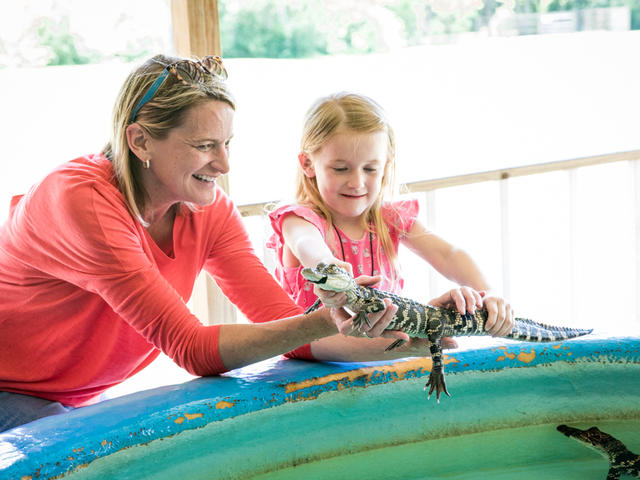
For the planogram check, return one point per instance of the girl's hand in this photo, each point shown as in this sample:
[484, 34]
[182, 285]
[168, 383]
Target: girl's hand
[466, 300]
[462, 299]
[500, 315]
[333, 299]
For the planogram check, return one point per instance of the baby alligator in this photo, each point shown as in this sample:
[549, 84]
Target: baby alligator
[621, 459]
[424, 321]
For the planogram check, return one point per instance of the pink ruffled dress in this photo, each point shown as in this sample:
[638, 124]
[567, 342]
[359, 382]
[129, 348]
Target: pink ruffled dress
[365, 255]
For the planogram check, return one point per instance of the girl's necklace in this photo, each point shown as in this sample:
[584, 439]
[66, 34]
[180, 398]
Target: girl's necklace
[342, 247]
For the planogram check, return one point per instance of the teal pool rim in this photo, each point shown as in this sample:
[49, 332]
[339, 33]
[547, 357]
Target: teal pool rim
[56, 445]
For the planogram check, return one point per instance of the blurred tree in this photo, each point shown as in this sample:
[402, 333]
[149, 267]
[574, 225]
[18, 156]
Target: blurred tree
[62, 44]
[272, 29]
[55, 33]
[412, 14]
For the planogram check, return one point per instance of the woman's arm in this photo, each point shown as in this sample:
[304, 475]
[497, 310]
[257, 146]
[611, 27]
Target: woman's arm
[243, 344]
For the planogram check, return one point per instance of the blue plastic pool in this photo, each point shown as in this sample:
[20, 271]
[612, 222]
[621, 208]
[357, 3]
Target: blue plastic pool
[287, 419]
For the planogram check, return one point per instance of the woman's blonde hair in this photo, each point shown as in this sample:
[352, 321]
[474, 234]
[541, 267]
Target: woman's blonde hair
[351, 113]
[164, 111]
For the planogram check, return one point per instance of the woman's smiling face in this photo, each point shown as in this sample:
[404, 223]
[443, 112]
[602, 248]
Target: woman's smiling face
[184, 166]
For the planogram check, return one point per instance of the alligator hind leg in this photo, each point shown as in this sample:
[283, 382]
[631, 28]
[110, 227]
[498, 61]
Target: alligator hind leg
[436, 382]
[436, 377]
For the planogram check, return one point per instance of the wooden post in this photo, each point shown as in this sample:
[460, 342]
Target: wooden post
[196, 32]
[196, 27]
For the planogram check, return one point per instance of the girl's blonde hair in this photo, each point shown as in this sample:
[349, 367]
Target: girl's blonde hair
[164, 111]
[352, 113]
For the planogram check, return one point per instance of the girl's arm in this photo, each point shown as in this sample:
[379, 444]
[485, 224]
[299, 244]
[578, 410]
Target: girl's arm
[456, 265]
[305, 246]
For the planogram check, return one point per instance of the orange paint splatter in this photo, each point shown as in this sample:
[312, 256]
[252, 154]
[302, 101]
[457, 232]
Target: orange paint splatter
[506, 355]
[399, 368]
[193, 416]
[224, 404]
[527, 357]
[188, 416]
[448, 359]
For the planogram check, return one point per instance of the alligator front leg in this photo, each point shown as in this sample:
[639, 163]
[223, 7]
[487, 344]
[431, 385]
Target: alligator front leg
[436, 377]
[371, 306]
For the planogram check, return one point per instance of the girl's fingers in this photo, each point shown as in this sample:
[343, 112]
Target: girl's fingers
[473, 299]
[500, 318]
[330, 299]
[368, 281]
[457, 299]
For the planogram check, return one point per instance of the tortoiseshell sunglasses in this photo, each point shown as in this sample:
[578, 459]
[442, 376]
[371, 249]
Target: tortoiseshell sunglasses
[210, 65]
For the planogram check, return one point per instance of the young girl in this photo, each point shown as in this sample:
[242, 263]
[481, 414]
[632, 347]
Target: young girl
[346, 168]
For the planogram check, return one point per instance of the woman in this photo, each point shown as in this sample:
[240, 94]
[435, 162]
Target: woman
[98, 259]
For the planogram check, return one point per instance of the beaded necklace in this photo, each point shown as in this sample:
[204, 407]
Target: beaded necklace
[370, 247]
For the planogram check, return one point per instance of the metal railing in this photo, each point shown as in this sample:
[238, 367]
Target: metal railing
[504, 177]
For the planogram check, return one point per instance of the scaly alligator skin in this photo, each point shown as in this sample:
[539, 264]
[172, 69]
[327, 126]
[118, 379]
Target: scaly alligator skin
[425, 321]
[621, 459]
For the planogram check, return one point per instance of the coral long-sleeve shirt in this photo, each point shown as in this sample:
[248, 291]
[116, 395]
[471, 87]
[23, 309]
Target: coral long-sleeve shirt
[88, 299]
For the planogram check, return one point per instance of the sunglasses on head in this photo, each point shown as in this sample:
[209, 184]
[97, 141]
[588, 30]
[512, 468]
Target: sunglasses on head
[193, 70]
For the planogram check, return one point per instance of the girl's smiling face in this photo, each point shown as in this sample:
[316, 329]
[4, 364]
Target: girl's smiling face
[348, 169]
[184, 166]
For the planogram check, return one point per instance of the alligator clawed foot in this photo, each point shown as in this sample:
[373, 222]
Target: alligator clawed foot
[360, 319]
[436, 382]
[397, 343]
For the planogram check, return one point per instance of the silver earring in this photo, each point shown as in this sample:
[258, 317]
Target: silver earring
[145, 164]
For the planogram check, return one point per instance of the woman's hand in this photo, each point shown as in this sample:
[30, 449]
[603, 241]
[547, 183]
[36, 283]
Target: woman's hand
[378, 321]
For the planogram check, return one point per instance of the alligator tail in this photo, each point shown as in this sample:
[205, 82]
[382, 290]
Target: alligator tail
[530, 331]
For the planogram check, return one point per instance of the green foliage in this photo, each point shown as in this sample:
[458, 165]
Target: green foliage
[563, 5]
[273, 29]
[635, 15]
[62, 44]
[305, 28]
[411, 13]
